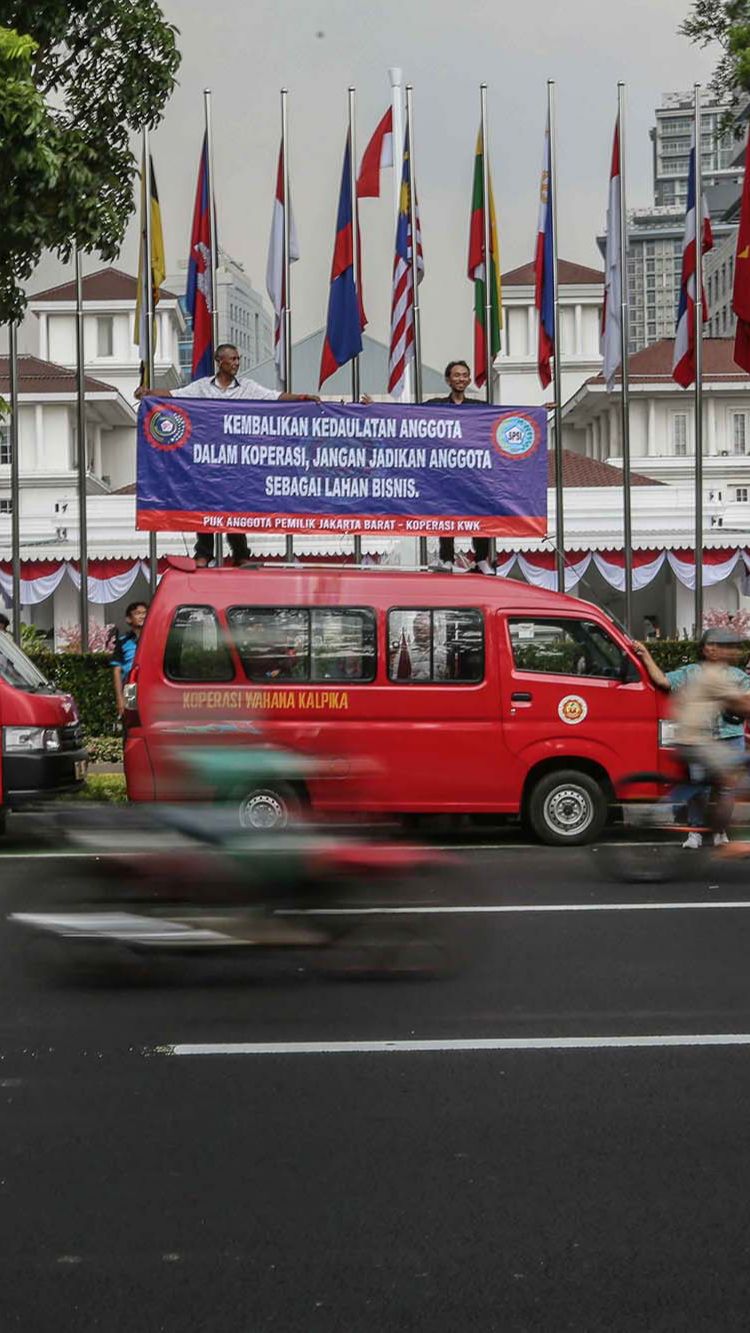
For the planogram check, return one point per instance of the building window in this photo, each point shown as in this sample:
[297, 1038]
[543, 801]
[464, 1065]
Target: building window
[679, 434]
[4, 446]
[6, 506]
[739, 433]
[740, 494]
[104, 335]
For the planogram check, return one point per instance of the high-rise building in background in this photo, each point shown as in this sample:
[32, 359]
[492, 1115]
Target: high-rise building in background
[670, 137]
[243, 318]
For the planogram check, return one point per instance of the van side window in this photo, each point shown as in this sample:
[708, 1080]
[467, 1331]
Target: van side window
[567, 648]
[314, 644]
[196, 648]
[435, 646]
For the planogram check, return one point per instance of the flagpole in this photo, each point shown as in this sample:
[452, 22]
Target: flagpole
[624, 368]
[15, 486]
[147, 297]
[559, 517]
[487, 224]
[287, 311]
[397, 107]
[81, 427]
[415, 277]
[355, 258]
[211, 218]
[698, 324]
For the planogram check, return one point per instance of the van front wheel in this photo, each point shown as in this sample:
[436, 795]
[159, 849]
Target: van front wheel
[567, 808]
[269, 808]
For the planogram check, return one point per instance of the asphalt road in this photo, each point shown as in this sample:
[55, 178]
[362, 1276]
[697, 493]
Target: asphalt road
[540, 1185]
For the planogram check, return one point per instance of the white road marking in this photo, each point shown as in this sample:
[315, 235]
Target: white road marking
[465, 909]
[452, 1044]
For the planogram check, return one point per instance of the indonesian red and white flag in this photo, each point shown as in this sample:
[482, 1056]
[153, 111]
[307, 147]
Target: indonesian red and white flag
[378, 154]
[683, 365]
[276, 269]
[610, 343]
[741, 293]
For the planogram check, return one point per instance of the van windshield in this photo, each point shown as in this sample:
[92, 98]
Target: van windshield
[16, 669]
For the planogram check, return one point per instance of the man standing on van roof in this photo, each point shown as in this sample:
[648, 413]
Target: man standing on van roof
[226, 384]
[458, 378]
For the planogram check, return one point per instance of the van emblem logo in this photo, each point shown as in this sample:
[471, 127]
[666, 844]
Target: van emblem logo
[572, 709]
[516, 436]
[167, 428]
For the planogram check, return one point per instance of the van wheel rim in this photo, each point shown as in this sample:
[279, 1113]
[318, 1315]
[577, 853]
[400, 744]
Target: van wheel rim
[568, 811]
[263, 811]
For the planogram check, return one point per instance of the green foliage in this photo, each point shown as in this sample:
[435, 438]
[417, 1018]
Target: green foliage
[104, 749]
[89, 680]
[108, 787]
[33, 639]
[672, 653]
[727, 23]
[77, 78]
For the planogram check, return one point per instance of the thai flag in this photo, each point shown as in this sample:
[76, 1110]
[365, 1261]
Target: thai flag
[378, 154]
[346, 318]
[276, 269]
[683, 365]
[402, 301]
[544, 297]
[199, 296]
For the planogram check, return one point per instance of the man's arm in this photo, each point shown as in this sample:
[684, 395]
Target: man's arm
[119, 696]
[655, 672]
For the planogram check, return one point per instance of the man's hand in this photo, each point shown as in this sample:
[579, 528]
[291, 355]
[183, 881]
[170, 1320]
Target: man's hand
[639, 649]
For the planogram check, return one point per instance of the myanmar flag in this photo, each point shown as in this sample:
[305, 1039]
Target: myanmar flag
[477, 271]
[158, 267]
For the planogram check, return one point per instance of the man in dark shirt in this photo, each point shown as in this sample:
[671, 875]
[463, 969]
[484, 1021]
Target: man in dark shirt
[125, 646]
[458, 379]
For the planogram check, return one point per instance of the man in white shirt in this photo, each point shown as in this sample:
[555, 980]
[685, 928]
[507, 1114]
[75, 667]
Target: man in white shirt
[226, 384]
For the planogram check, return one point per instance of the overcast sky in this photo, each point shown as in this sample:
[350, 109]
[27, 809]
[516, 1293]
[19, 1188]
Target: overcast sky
[246, 50]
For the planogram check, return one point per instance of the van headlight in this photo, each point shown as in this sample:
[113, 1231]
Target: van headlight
[667, 733]
[30, 740]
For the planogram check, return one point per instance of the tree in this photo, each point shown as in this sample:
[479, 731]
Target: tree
[77, 79]
[728, 23]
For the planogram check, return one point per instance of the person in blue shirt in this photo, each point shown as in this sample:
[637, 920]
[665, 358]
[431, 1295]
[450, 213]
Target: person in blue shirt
[125, 646]
[723, 647]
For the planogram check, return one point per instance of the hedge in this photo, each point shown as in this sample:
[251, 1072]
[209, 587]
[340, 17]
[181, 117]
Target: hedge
[89, 679]
[672, 653]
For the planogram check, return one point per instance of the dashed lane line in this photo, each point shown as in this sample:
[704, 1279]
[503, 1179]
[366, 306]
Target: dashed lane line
[232, 1048]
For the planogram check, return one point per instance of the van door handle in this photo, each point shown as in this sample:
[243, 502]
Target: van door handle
[521, 697]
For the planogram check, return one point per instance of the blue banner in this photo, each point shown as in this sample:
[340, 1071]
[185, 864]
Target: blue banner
[285, 467]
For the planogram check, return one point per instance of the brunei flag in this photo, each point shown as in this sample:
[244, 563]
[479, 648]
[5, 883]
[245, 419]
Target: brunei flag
[158, 266]
[478, 271]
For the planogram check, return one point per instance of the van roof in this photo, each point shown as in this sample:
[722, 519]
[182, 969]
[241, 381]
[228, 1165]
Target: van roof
[351, 583]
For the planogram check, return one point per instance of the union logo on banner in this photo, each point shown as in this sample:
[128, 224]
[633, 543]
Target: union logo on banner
[516, 436]
[167, 428]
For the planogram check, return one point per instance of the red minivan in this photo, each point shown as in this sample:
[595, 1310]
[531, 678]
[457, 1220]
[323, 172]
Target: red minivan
[419, 692]
[42, 739]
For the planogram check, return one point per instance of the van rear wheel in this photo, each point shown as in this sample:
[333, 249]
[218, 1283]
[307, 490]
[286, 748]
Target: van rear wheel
[268, 808]
[567, 808]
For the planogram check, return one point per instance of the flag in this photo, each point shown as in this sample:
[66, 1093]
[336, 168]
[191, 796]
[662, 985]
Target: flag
[402, 300]
[741, 294]
[346, 318]
[403, 667]
[477, 271]
[158, 267]
[378, 154]
[610, 343]
[544, 296]
[199, 295]
[683, 365]
[276, 269]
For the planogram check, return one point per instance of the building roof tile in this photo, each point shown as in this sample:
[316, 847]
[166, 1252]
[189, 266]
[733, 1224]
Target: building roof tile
[44, 377]
[655, 362]
[568, 274]
[107, 284]
[578, 470]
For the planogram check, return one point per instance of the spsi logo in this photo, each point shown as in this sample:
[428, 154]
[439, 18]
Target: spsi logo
[516, 436]
[572, 709]
[167, 428]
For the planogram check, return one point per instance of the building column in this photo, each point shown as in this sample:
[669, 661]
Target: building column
[44, 337]
[579, 328]
[530, 329]
[652, 447]
[614, 439]
[38, 437]
[711, 425]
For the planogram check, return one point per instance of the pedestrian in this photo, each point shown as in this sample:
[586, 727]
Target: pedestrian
[125, 647]
[226, 384]
[458, 379]
[717, 647]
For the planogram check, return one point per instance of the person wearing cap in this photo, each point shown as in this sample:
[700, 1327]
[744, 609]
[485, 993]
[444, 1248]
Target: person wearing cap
[712, 702]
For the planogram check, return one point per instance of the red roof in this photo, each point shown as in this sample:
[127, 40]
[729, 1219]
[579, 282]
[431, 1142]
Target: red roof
[578, 470]
[107, 284]
[655, 362]
[38, 377]
[568, 275]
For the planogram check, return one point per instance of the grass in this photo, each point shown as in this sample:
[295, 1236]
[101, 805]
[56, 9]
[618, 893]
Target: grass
[108, 787]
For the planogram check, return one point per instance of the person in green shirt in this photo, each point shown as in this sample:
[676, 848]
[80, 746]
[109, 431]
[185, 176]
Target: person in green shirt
[719, 646]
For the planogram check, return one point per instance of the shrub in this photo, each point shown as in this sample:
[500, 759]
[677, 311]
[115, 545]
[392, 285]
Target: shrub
[104, 749]
[89, 679]
[672, 653]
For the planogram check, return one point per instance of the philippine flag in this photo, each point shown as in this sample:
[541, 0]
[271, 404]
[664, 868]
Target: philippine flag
[378, 154]
[544, 297]
[683, 365]
[276, 269]
[346, 318]
[198, 296]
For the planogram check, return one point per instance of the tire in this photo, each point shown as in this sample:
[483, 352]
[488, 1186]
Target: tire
[567, 808]
[268, 808]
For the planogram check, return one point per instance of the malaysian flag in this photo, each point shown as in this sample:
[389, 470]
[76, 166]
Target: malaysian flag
[402, 303]
[683, 365]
